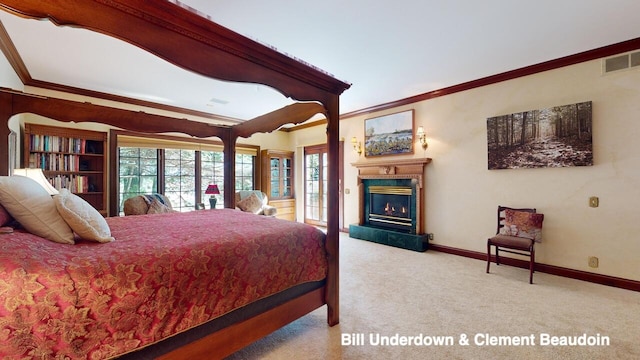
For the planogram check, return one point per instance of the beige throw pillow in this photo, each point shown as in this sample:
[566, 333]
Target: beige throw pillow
[32, 206]
[83, 218]
[156, 207]
[251, 203]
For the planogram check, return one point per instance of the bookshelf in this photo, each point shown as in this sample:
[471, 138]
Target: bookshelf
[70, 158]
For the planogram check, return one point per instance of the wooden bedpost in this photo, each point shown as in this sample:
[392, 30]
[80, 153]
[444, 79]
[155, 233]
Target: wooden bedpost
[5, 115]
[333, 218]
[229, 170]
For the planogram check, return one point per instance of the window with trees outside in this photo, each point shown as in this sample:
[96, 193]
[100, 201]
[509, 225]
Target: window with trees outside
[180, 178]
[138, 173]
[245, 172]
[180, 171]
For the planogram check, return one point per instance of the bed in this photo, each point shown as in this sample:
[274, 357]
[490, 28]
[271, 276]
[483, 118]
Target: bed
[163, 275]
[197, 44]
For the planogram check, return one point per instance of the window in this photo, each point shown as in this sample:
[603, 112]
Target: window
[138, 172]
[179, 168]
[212, 165]
[245, 167]
[180, 178]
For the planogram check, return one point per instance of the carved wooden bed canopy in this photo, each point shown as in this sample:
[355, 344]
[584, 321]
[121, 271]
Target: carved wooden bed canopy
[191, 42]
[195, 43]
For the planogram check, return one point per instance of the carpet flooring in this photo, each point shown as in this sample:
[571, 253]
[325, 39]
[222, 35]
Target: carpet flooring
[436, 301]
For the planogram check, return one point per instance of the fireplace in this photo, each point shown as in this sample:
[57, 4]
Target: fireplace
[391, 203]
[390, 207]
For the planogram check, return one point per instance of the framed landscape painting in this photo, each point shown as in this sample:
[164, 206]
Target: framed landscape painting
[389, 134]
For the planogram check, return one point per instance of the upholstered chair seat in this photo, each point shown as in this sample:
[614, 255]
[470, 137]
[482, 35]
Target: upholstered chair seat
[513, 242]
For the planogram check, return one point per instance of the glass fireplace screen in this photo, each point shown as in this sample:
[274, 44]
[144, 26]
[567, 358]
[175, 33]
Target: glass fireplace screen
[390, 206]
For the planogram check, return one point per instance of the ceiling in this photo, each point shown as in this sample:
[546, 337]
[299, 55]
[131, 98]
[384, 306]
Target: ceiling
[387, 50]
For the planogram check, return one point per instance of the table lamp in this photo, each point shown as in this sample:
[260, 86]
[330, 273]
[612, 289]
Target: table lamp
[37, 175]
[212, 190]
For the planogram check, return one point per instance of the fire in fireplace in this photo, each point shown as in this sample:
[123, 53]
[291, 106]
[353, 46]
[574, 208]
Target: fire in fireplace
[390, 207]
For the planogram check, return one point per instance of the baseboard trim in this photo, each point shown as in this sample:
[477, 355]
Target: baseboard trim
[549, 269]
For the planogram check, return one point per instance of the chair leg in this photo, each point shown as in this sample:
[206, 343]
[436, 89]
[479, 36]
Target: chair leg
[531, 262]
[497, 255]
[488, 256]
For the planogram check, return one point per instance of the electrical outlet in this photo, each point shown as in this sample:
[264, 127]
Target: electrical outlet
[594, 202]
[430, 236]
[593, 261]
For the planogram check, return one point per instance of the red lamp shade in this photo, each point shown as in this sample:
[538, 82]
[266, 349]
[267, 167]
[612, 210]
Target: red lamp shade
[212, 190]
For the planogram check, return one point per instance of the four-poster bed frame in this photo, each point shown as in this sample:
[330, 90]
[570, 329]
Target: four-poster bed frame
[195, 43]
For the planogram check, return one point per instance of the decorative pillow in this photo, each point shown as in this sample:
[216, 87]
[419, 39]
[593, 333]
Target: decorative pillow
[523, 224]
[83, 218]
[163, 200]
[136, 205]
[5, 217]
[246, 193]
[32, 206]
[157, 207]
[251, 203]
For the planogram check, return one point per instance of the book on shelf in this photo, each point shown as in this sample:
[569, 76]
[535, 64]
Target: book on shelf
[51, 143]
[74, 183]
[55, 162]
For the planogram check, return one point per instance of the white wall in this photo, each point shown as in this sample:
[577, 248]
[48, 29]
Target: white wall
[8, 77]
[462, 194]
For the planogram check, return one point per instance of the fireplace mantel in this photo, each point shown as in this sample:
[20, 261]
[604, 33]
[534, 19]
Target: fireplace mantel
[396, 169]
[391, 172]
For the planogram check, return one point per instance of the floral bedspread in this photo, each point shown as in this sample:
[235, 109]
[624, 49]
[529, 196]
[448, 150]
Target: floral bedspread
[164, 274]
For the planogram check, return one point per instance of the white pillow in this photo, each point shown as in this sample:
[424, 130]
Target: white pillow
[31, 205]
[83, 218]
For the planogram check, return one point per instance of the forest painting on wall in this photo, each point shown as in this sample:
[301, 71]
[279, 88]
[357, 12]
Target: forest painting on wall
[559, 136]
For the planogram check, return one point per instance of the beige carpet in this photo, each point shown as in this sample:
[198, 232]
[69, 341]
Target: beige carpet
[387, 291]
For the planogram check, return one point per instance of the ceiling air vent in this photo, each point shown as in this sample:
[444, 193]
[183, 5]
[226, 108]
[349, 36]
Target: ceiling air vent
[621, 62]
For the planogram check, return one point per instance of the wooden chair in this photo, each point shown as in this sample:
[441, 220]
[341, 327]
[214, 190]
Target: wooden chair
[518, 231]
